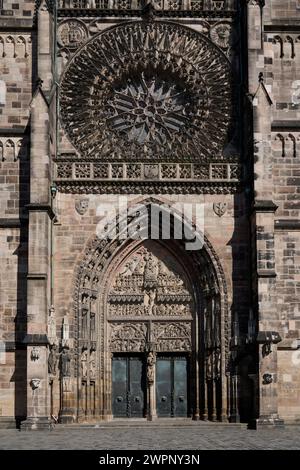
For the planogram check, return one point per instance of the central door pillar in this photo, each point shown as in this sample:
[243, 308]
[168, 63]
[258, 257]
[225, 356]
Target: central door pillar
[151, 386]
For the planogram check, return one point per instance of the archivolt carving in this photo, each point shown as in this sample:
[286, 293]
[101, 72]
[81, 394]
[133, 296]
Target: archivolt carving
[147, 89]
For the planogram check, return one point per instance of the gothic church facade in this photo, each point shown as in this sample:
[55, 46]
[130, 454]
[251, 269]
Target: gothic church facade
[116, 116]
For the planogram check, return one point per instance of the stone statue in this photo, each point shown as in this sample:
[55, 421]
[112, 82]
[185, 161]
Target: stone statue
[217, 363]
[51, 325]
[152, 295]
[65, 363]
[92, 364]
[83, 363]
[209, 367]
[151, 367]
[52, 360]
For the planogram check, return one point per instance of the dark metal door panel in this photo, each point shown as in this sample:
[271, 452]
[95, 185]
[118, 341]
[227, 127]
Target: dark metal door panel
[119, 386]
[180, 386]
[136, 387]
[171, 386]
[163, 387]
[128, 387]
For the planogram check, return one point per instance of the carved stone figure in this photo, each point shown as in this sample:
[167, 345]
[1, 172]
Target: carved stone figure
[51, 327]
[128, 337]
[83, 363]
[35, 353]
[151, 359]
[92, 364]
[144, 286]
[217, 363]
[65, 363]
[52, 360]
[208, 367]
[35, 383]
[220, 34]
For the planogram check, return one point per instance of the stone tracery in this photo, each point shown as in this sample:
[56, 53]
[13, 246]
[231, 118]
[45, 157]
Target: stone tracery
[133, 79]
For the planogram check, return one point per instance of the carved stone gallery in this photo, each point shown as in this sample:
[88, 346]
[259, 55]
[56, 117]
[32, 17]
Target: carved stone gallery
[113, 111]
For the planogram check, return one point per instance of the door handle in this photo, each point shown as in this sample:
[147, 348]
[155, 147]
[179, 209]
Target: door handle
[181, 398]
[164, 398]
[119, 399]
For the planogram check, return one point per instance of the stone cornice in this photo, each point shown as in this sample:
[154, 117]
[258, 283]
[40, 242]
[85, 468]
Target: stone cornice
[36, 207]
[287, 224]
[264, 206]
[10, 223]
[36, 340]
[37, 276]
[14, 131]
[285, 126]
[266, 273]
[144, 187]
[12, 24]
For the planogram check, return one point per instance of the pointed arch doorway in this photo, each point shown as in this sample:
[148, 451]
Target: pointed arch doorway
[150, 314]
[152, 333]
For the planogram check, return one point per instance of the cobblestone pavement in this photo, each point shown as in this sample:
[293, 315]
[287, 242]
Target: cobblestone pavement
[196, 437]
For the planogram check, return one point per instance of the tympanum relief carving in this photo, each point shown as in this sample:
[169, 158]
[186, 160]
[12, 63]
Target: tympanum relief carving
[149, 302]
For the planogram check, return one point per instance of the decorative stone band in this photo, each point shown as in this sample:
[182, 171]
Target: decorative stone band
[148, 171]
[158, 187]
[158, 5]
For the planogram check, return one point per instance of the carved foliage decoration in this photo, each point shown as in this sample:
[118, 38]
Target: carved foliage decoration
[146, 89]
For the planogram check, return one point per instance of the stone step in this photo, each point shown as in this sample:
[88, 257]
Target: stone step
[143, 423]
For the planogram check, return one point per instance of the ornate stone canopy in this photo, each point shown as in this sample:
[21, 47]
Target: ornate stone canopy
[145, 90]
